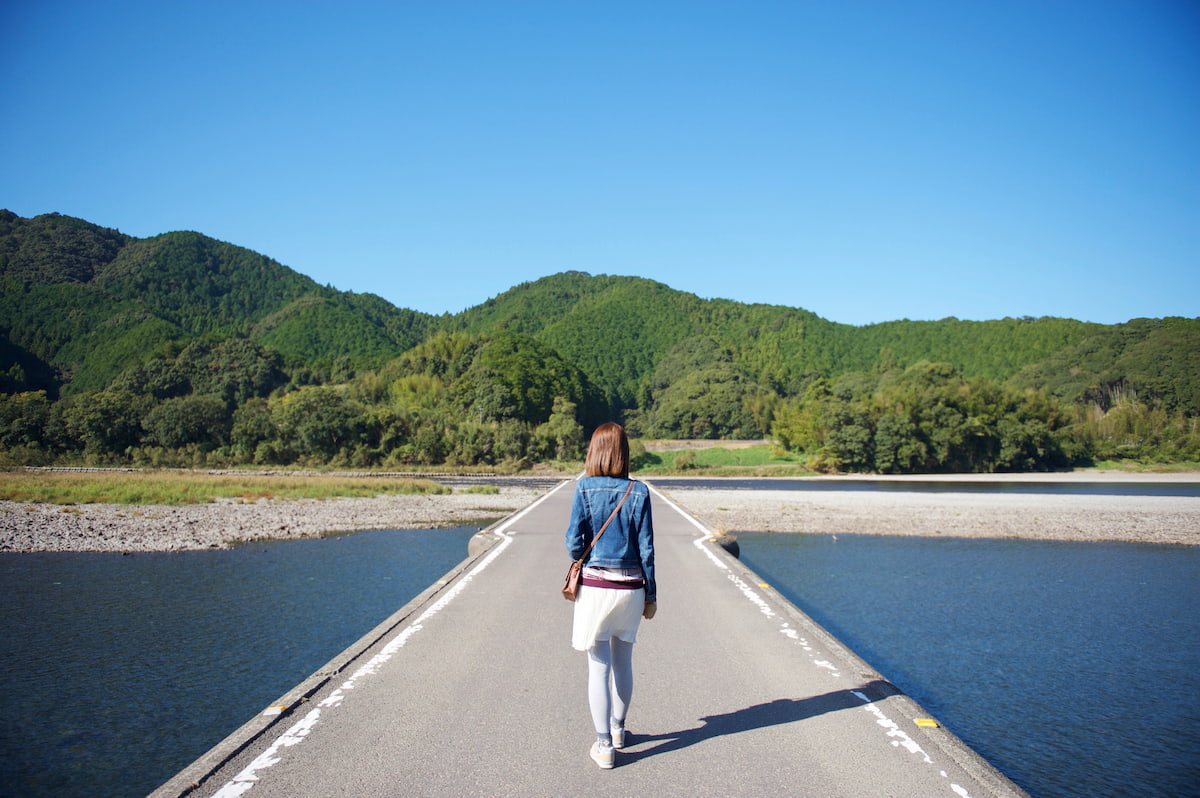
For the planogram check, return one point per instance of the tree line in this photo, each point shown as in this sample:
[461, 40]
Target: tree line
[180, 349]
[498, 400]
[504, 400]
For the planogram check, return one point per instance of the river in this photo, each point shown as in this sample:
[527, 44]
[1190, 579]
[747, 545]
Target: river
[1074, 668]
[1071, 666]
[122, 669]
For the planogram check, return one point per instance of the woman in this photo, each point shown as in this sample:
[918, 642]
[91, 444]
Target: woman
[617, 589]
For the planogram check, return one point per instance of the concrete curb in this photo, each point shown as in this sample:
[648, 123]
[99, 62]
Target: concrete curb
[198, 772]
[939, 739]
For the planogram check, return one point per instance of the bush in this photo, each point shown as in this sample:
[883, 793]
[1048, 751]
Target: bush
[686, 461]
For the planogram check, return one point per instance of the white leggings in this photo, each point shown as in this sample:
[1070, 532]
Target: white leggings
[610, 681]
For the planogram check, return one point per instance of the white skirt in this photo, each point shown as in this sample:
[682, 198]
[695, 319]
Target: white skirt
[602, 612]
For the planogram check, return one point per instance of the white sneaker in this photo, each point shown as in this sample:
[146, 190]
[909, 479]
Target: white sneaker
[618, 736]
[603, 755]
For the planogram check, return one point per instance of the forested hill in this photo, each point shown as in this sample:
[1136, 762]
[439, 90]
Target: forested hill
[87, 311]
[86, 302]
[618, 329]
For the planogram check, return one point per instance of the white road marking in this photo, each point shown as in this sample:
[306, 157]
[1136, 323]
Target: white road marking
[898, 737]
[249, 776]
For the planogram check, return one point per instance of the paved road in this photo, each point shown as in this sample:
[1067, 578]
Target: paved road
[473, 689]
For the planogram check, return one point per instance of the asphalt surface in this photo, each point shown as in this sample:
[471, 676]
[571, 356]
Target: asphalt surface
[473, 690]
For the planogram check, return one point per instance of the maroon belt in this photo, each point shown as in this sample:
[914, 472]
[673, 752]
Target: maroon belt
[591, 581]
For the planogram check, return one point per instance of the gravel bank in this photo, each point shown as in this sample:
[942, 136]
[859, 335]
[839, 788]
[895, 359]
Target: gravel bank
[1150, 519]
[1147, 519]
[106, 527]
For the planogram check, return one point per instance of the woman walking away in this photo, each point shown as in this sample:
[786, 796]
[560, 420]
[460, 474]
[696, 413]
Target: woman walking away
[617, 589]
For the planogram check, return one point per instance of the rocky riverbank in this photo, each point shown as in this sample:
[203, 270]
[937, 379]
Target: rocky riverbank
[26, 527]
[1039, 516]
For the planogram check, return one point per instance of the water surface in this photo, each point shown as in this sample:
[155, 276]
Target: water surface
[123, 669]
[1072, 667]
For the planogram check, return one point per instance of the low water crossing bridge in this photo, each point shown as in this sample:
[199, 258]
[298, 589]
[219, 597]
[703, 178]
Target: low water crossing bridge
[472, 689]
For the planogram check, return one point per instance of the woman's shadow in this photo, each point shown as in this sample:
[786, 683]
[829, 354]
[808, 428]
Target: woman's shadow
[772, 713]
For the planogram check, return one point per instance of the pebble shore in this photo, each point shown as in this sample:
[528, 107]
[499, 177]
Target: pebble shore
[1036, 516]
[26, 527]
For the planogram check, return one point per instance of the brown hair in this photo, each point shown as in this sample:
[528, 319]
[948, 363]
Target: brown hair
[608, 453]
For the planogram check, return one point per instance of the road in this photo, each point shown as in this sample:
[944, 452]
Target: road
[473, 690]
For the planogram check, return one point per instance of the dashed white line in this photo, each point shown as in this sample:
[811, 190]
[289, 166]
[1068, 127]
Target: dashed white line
[249, 776]
[898, 737]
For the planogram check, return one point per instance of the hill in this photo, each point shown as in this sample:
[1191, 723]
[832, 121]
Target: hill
[617, 329]
[180, 343]
[85, 303]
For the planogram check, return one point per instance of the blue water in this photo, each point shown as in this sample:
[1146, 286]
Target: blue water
[120, 670]
[1074, 668]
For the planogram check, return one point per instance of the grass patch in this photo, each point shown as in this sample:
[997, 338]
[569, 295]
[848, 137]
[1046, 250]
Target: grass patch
[718, 460]
[191, 487]
[1136, 467]
[486, 490]
[748, 457]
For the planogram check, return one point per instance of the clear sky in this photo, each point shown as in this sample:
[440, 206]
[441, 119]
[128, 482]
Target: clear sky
[866, 161]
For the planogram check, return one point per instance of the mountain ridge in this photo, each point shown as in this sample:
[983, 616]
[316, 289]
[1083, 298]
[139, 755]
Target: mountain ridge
[84, 303]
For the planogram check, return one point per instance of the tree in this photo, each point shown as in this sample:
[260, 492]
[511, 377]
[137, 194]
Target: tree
[851, 440]
[471, 443]
[234, 369]
[697, 391]
[898, 447]
[802, 425]
[23, 419]
[528, 375]
[252, 426]
[513, 440]
[179, 422]
[561, 437]
[316, 421]
[107, 422]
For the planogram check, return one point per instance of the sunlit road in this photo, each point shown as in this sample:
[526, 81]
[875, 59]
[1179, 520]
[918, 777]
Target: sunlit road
[476, 691]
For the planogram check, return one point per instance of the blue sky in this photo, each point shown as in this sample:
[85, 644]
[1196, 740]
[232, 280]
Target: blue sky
[867, 161]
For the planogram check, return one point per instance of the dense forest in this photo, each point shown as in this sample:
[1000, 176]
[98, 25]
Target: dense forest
[183, 350]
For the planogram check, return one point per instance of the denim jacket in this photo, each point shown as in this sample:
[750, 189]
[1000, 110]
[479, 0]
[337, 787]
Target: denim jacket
[629, 540]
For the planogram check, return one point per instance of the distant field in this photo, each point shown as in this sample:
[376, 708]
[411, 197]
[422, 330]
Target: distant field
[1133, 466]
[194, 487]
[747, 458]
[699, 443]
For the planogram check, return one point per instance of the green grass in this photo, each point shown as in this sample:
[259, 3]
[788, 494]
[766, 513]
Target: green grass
[184, 487]
[722, 461]
[750, 456]
[1136, 467]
